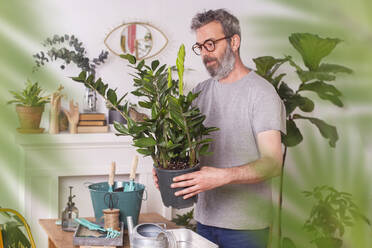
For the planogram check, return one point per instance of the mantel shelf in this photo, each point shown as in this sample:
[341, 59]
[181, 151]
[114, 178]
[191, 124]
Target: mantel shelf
[66, 138]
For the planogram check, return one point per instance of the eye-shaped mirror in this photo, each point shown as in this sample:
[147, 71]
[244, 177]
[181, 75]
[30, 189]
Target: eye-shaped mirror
[142, 40]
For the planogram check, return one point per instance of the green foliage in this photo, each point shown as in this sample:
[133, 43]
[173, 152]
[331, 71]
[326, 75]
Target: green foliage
[69, 49]
[12, 233]
[186, 220]
[174, 131]
[313, 49]
[332, 212]
[30, 96]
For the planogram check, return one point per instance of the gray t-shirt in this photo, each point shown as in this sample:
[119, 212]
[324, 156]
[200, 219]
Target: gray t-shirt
[241, 110]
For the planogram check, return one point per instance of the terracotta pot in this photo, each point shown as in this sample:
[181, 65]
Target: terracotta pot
[29, 117]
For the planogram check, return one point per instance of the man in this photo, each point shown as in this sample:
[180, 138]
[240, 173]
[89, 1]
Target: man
[233, 186]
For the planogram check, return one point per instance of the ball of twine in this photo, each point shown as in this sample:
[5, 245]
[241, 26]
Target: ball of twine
[111, 218]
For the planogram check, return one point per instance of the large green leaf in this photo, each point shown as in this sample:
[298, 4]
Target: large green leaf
[312, 48]
[264, 64]
[332, 68]
[131, 59]
[304, 103]
[180, 67]
[111, 96]
[324, 91]
[293, 136]
[145, 142]
[306, 76]
[121, 128]
[326, 130]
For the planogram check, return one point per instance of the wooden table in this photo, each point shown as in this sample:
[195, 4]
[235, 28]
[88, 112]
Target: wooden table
[61, 239]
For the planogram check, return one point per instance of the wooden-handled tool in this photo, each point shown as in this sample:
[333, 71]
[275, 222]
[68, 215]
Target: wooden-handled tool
[111, 176]
[132, 176]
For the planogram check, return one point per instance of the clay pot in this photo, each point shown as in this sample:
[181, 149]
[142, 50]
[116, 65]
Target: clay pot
[29, 117]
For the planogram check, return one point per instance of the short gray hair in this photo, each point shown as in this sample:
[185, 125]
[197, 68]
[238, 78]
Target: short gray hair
[230, 23]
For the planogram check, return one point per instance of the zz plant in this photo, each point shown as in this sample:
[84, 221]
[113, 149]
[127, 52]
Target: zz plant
[316, 77]
[173, 134]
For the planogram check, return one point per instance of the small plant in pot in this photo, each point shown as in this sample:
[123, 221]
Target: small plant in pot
[174, 134]
[330, 215]
[30, 104]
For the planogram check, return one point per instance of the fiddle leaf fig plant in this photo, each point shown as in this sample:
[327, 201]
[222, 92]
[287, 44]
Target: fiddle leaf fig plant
[316, 77]
[173, 134]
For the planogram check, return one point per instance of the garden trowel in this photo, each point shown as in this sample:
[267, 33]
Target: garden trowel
[130, 186]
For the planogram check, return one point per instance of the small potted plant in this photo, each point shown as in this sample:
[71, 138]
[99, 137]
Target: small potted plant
[332, 212]
[30, 104]
[174, 134]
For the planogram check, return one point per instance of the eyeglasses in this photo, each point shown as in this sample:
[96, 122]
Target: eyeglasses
[209, 45]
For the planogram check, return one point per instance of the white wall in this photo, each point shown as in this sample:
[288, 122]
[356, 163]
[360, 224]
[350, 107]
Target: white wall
[92, 20]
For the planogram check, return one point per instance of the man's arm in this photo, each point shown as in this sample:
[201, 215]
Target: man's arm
[268, 166]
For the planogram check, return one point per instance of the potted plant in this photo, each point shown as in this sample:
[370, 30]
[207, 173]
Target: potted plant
[332, 212]
[316, 77]
[29, 106]
[174, 134]
[11, 234]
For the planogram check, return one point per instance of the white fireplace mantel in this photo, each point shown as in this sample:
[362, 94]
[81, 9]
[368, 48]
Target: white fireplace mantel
[48, 159]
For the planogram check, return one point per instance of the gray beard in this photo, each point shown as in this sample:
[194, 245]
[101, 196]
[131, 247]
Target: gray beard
[224, 67]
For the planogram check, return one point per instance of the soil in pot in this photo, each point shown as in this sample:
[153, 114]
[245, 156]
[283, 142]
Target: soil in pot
[165, 177]
[29, 117]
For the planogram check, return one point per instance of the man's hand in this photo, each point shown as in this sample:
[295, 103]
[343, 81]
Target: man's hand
[196, 182]
[155, 178]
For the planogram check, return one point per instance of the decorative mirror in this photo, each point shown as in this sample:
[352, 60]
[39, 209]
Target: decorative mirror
[140, 39]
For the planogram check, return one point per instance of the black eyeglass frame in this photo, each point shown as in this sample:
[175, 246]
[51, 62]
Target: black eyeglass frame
[199, 46]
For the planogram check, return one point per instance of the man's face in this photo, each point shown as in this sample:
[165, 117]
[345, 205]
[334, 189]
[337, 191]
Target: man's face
[220, 62]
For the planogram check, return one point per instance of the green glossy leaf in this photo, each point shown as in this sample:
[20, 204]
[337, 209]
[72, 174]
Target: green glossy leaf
[145, 142]
[131, 59]
[304, 103]
[140, 64]
[180, 67]
[265, 64]
[154, 64]
[326, 130]
[306, 76]
[121, 128]
[285, 91]
[146, 152]
[90, 79]
[293, 136]
[312, 48]
[145, 104]
[324, 91]
[111, 96]
[169, 77]
[332, 68]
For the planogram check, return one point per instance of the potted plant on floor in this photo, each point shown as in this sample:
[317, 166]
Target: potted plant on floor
[174, 134]
[332, 212]
[30, 104]
[316, 77]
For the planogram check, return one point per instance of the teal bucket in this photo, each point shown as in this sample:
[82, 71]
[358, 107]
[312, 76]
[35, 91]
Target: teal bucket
[129, 203]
